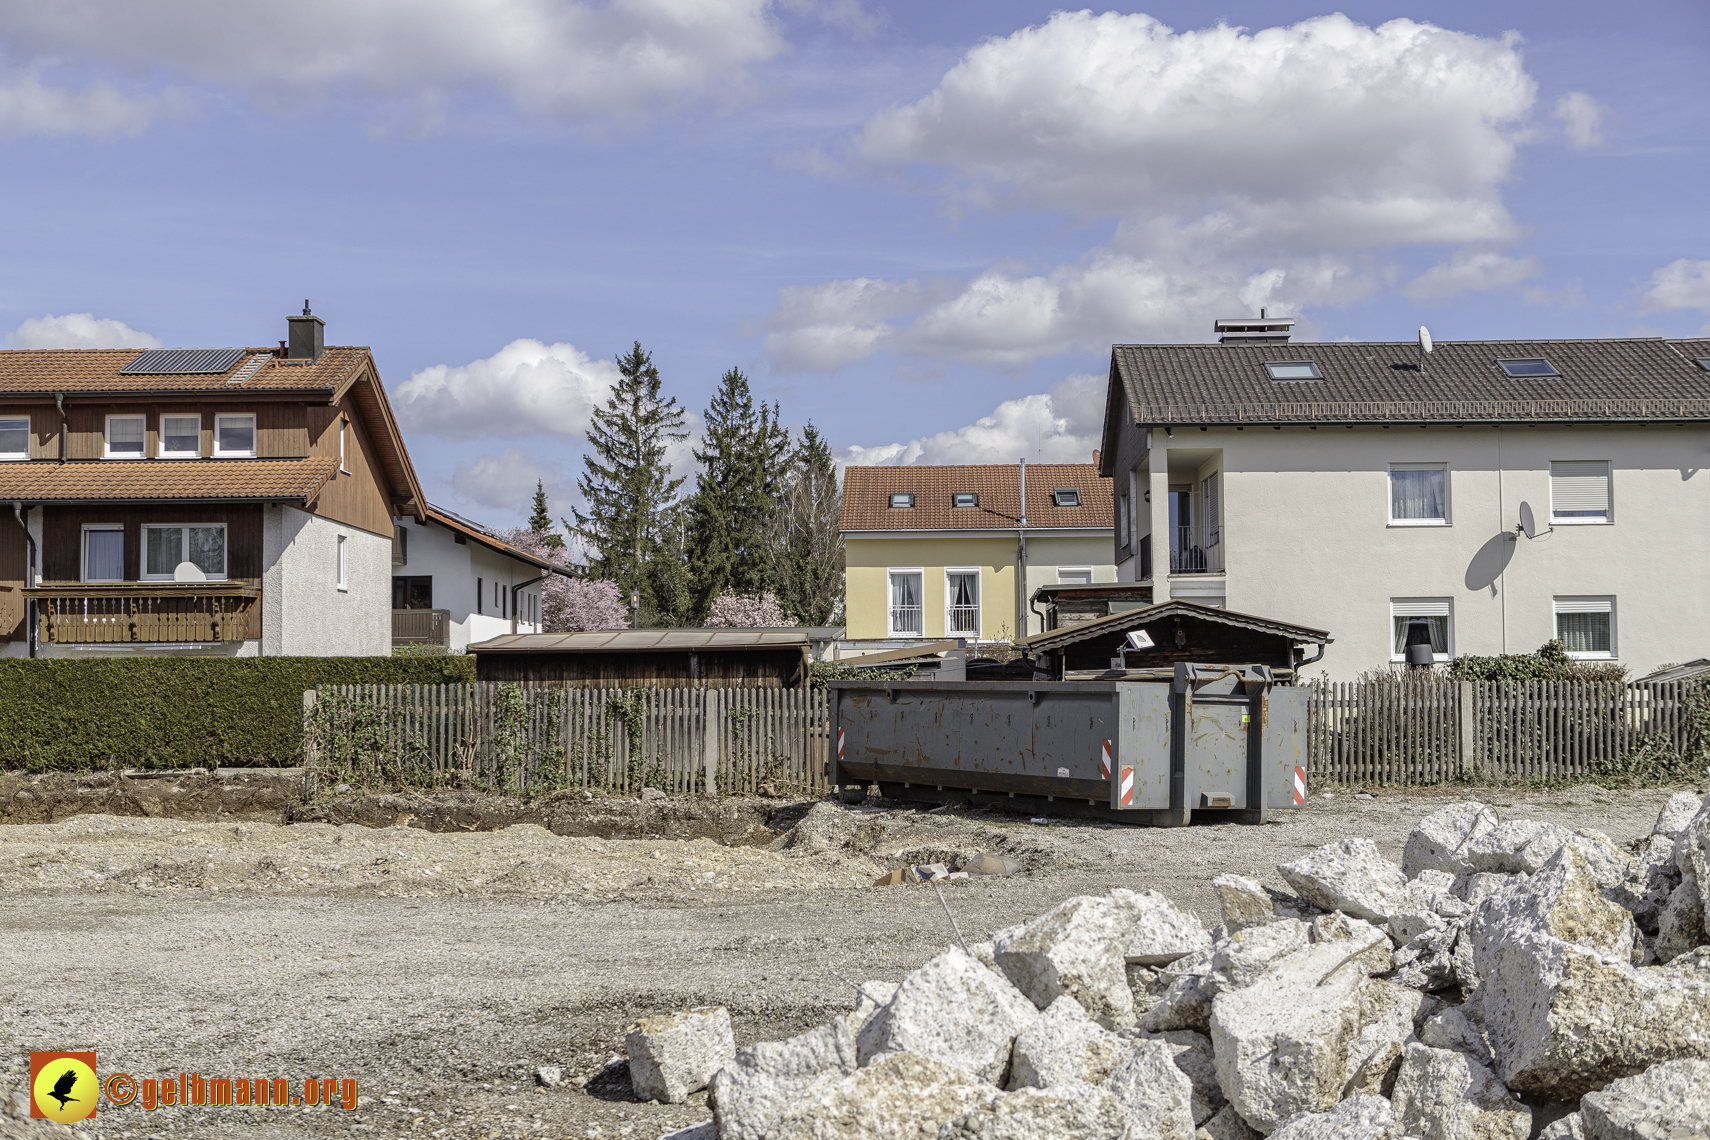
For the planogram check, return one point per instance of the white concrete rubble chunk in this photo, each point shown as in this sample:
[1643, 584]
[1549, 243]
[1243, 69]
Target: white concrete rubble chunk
[1665, 1102]
[869, 999]
[1680, 927]
[1427, 961]
[1156, 1096]
[1249, 952]
[1065, 1113]
[1443, 1095]
[953, 1011]
[1063, 1046]
[1452, 1029]
[1078, 949]
[1677, 813]
[1357, 1118]
[1338, 927]
[766, 1080]
[677, 1054]
[1163, 933]
[1184, 1004]
[1226, 1125]
[1476, 886]
[1244, 902]
[1692, 852]
[705, 1130]
[1439, 840]
[1569, 1127]
[898, 1095]
[1562, 900]
[1387, 1015]
[1408, 924]
[1192, 1055]
[1350, 876]
[1519, 846]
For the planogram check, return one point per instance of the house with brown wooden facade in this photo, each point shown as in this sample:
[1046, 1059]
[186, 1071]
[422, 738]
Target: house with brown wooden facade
[236, 501]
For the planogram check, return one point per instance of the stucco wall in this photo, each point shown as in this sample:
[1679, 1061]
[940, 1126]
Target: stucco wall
[1046, 555]
[434, 551]
[867, 581]
[303, 612]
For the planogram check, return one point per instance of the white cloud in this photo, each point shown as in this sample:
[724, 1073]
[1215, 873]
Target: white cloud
[1472, 271]
[30, 107]
[526, 388]
[1059, 426]
[1244, 169]
[1682, 284]
[564, 59]
[506, 482]
[1582, 118]
[78, 330]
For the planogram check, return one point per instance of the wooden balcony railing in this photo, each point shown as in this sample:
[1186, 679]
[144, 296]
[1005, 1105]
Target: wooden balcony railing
[158, 612]
[421, 627]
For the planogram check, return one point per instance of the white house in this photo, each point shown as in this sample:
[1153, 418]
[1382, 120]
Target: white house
[456, 582]
[1355, 486]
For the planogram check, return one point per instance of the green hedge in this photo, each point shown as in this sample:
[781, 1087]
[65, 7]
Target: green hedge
[164, 712]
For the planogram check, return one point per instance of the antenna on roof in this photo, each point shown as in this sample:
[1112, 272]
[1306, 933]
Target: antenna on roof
[1424, 346]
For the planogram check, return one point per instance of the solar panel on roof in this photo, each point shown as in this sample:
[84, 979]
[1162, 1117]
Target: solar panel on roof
[182, 362]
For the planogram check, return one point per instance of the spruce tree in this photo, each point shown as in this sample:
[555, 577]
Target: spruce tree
[540, 522]
[736, 496]
[626, 482]
[807, 548]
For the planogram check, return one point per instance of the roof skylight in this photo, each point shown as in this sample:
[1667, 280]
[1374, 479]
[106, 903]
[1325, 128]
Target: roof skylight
[965, 499]
[1067, 496]
[1293, 370]
[1528, 366]
[902, 501]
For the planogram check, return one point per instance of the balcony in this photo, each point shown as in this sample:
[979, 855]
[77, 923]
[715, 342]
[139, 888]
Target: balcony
[906, 621]
[421, 627]
[1196, 549]
[145, 612]
[962, 621]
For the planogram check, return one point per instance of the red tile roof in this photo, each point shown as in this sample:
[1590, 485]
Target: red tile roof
[30, 370]
[867, 492]
[205, 480]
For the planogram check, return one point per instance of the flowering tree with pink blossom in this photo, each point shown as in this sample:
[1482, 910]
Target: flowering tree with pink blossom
[730, 609]
[570, 605]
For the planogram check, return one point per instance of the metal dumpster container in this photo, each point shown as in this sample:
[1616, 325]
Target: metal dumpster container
[1223, 741]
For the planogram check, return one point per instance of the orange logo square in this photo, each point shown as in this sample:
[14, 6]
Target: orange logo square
[63, 1087]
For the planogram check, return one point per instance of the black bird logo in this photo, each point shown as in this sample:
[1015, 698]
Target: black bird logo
[62, 1087]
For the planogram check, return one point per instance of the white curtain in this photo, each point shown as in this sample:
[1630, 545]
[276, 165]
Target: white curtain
[964, 589]
[106, 556]
[208, 550]
[1584, 632]
[905, 590]
[1439, 633]
[1417, 494]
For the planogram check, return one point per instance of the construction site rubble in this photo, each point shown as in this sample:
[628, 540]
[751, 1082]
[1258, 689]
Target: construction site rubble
[1504, 967]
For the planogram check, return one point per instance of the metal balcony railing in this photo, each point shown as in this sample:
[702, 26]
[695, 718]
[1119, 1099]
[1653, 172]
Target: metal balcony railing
[421, 627]
[1196, 550]
[906, 621]
[962, 621]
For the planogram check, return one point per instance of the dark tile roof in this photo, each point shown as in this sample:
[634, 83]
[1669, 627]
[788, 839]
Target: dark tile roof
[1600, 380]
[29, 370]
[147, 480]
[867, 496]
[457, 524]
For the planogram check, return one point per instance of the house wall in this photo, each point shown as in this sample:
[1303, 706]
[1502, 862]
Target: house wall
[433, 551]
[280, 426]
[62, 551]
[1308, 538]
[867, 581]
[1046, 555]
[356, 495]
[304, 613]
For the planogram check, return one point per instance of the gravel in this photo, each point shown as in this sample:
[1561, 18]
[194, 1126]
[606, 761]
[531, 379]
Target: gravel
[443, 970]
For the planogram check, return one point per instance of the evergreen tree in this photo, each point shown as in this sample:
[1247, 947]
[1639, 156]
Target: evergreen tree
[540, 522]
[807, 550]
[736, 497]
[626, 483]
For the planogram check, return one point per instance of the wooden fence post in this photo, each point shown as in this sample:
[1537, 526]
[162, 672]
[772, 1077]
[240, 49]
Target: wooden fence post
[311, 743]
[1464, 721]
[710, 720]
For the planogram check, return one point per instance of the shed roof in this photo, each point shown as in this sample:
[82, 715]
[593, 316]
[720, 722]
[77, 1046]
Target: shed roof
[644, 641]
[1121, 623]
[867, 494]
[176, 480]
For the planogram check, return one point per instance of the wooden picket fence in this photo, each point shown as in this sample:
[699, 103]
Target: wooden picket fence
[1435, 730]
[540, 736]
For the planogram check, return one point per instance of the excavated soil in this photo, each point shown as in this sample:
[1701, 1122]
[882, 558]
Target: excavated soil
[440, 962]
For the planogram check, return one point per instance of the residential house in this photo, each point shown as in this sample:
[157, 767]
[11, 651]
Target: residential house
[1378, 491]
[235, 501]
[455, 582]
[949, 552]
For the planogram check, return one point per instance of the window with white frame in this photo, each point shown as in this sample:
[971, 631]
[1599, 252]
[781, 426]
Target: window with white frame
[1586, 626]
[234, 437]
[343, 434]
[203, 545]
[1074, 575]
[15, 438]
[103, 552]
[1438, 615]
[1579, 491]
[906, 617]
[180, 437]
[343, 577]
[962, 602]
[125, 437]
[1122, 513]
[1419, 494]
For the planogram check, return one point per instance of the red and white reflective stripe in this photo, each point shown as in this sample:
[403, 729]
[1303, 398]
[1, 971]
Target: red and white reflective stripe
[1127, 799]
[1104, 762]
[1299, 786]
[840, 745]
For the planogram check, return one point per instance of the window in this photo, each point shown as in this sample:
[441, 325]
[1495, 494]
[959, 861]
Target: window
[1528, 366]
[962, 602]
[234, 436]
[104, 553]
[165, 547]
[478, 596]
[965, 499]
[1212, 510]
[1067, 496]
[1579, 491]
[14, 439]
[1586, 626]
[400, 546]
[1122, 521]
[905, 609]
[902, 501]
[1293, 370]
[1436, 612]
[343, 577]
[412, 592]
[180, 437]
[1074, 575]
[124, 437]
[1419, 494]
[343, 430]
[1703, 362]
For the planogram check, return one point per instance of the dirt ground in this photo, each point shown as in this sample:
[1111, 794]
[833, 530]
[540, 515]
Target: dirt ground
[441, 969]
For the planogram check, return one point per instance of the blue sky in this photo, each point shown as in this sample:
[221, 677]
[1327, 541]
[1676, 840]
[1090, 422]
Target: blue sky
[919, 226]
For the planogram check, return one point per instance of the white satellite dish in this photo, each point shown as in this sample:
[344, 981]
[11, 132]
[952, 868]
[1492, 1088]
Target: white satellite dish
[1424, 339]
[188, 572]
[1529, 521]
[1140, 639]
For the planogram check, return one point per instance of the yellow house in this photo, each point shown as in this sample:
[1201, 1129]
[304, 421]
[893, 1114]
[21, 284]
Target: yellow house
[940, 552]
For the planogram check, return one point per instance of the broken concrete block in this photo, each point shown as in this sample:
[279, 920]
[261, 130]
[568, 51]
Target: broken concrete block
[1192, 1055]
[1452, 1029]
[1357, 1118]
[1338, 927]
[869, 999]
[1677, 813]
[900, 1094]
[1667, 1100]
[1476, 886]
[1155, 1095]
[1184, 1004]
[1078, 949]
[1350, 876]
[1519, 846]
[1066, 1113]
[1408, 924]
[1244, 901]
[1569, 1127]
[1692, 852]
[764, 1081]
[1444, 1095]
[1386, 1016]
[1249, 952]
[549, 1076]
[1064, 1046]
[675, 1055]
[1225, 1125]
[1140, 983]
[1562, 900]
[1427, 961]
[1439, 840]
[1163, 933]
[952, 1011]
[1680, 927]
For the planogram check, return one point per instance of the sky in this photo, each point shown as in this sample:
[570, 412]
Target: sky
[917, 226]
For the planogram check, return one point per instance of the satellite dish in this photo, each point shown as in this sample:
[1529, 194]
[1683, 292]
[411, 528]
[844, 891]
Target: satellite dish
[1140, 639]
[1424, 339]
[1529, 522]
[188, 572]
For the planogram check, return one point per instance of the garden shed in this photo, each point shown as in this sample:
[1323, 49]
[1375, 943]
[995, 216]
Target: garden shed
[1178, 631]
[649, 658]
